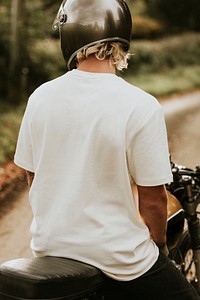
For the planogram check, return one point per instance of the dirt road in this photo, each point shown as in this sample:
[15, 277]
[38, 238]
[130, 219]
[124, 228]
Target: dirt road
[15, 218]
[182, 116]
[184, 140]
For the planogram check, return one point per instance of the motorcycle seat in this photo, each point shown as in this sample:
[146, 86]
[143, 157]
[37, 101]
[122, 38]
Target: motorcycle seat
[48, 278]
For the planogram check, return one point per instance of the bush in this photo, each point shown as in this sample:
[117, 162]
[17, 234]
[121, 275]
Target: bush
[4, 48]
[178, 14]
[146, 28]
[165, 66]
[46, 62]
[10, 119]
[165, 53]
[179, 80]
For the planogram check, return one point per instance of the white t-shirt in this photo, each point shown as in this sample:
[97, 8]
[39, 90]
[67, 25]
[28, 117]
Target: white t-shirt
[87, 136]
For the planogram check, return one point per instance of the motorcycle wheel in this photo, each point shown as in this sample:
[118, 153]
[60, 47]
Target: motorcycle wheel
[183, 258]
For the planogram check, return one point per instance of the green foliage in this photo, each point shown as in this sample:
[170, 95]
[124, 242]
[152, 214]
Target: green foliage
[166, 66]
[179, 80]
[39, 18]
[144, 25]
[164, 54]
[10, 119]
[40, 58]
[178, 14]
[34, 24]
[46, 62]
[4, 42]
[147, 28]
[52, 4]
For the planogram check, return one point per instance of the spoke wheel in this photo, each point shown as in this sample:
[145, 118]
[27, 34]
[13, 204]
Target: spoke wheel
[183, 256]
[189, 268]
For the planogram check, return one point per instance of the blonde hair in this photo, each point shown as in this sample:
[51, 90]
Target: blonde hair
[106, 51]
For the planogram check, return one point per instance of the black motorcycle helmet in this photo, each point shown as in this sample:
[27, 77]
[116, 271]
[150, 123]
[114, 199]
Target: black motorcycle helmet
[83, 23]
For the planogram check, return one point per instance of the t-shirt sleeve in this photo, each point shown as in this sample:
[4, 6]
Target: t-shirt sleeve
[148, 153]
[23, 154]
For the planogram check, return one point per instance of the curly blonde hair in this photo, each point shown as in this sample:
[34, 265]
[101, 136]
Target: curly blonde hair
[106, 51]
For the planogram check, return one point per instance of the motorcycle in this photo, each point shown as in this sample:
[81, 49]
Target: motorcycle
[183, 231]
[60, 278]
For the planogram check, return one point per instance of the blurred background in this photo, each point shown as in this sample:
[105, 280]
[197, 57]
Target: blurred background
[165, 47]
[165, 62]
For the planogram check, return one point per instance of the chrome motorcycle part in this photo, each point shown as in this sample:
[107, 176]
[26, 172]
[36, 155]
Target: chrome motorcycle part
[185, 259]
[186, 254]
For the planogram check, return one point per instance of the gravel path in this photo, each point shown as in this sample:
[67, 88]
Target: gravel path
[15, 219]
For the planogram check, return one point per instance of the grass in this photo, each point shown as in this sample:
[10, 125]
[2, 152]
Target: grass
[10, 119]
[182, 79]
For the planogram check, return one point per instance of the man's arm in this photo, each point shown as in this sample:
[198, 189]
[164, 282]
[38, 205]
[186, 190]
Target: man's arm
[153, 210]
[30, 177]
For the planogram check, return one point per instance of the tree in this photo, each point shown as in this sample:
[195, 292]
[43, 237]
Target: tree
[179, 15]
[29, 23]
[15, 62]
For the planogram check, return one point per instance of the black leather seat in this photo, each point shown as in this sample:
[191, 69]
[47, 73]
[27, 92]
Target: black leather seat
[48, 278]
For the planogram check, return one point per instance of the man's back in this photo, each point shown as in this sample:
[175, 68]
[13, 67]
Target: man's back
[81, 195]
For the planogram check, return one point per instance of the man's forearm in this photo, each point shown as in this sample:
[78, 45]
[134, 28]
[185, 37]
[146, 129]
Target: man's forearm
[153, 210]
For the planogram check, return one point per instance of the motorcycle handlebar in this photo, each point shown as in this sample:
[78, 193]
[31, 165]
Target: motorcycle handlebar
[180, 172]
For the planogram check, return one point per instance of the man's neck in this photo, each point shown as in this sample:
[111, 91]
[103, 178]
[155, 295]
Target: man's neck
[92, 64]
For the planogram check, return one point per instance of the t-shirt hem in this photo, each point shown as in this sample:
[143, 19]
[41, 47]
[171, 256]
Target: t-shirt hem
[129, 277]
[23, 165]
[118, 277]
[154, 182]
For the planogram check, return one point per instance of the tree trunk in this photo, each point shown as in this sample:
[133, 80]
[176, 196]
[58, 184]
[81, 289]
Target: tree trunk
[14, 69]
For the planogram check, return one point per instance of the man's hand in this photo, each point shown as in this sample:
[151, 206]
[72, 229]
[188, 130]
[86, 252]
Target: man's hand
[163, 248]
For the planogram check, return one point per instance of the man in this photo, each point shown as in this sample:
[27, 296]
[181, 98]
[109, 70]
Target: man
[86, 138]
